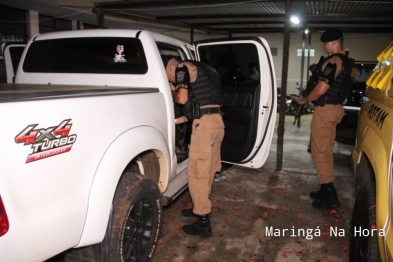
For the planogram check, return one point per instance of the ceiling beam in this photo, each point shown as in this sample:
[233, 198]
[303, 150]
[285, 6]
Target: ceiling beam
[173, 3]
[196, 3]
[309, 25]
[282, 23]
[267, 22]
[240, 23]
[281, 17]
[147, 19]
[316, 29]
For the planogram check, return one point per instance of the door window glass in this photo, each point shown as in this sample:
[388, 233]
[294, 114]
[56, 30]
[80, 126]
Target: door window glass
[16, 54]
[237, 63]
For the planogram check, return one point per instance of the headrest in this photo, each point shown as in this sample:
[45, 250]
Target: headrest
[165, 59]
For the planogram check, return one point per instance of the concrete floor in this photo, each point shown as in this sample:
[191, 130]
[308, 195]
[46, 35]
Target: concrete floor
[247, 203]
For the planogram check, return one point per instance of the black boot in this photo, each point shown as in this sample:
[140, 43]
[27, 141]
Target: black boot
[317, 194]
[309, 149]
[329, 198]
[187, 212]
[200, 227]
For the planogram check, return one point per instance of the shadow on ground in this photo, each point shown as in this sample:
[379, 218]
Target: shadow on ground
[265, 215]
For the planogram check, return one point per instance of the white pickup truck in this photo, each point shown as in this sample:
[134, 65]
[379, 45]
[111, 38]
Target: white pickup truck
[90, 149]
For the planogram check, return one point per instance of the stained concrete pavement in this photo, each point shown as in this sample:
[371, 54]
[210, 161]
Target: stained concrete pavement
[263, 215]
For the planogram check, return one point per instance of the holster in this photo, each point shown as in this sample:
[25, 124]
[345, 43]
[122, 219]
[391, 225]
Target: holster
[191, 110]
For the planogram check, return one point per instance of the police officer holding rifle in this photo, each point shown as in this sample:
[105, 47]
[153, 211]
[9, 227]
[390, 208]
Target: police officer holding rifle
[327, 89]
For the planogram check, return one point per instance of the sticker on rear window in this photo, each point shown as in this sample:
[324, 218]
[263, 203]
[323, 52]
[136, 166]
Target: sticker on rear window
[47, 142]
[119, 58]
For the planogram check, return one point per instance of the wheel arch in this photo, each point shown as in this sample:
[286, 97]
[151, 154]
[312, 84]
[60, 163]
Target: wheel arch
[364, 248]
[370, 150]
[130, 147]
[365, 174]
[377, 157]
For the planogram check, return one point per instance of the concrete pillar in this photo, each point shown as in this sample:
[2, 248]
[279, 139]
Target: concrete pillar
[80, 25]
[74, 25]
[34, 24]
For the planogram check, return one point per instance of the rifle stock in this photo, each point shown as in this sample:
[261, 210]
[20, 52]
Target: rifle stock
[298, 113]
[311, 83]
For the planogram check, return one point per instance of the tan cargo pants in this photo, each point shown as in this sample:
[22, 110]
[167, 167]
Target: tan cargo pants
[323, 133]
[204, 160]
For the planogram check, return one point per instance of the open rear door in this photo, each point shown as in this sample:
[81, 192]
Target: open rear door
[12, 54]
[250, 99]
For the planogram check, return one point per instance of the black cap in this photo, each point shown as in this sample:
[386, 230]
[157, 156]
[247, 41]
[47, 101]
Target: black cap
[165, 59]
[331, 35]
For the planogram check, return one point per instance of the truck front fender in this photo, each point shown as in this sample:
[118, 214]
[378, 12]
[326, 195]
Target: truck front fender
[122, 150]
[373, 145]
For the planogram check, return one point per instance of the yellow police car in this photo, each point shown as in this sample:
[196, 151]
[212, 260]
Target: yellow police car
[371, 237]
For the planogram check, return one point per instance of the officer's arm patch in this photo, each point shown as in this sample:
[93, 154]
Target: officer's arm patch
[329, 74]
[182, 77]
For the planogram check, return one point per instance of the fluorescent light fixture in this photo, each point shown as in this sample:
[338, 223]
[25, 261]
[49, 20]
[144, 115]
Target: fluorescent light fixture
[295, 19]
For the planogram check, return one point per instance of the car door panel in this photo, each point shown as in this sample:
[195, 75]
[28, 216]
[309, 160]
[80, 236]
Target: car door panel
[249, 102]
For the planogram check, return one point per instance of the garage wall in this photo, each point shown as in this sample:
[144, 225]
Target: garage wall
[361, 47]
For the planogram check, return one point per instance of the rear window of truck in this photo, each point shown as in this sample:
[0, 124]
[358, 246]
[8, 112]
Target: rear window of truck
[100, 55]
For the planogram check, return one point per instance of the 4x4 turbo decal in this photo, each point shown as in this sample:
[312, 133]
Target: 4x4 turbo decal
[47, 142]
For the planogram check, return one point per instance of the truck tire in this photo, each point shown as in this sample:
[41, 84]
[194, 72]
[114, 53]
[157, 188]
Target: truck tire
[362, 247]
[136, 219]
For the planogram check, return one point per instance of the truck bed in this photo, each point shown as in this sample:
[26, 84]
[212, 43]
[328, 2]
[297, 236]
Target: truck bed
[29, 92]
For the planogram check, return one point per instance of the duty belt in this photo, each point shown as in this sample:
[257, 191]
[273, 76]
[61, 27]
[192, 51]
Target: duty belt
[331, 102]
[325, 101]
[209, 111]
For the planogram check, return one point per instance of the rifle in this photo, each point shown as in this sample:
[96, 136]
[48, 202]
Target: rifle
[311, 83]
[299, 109]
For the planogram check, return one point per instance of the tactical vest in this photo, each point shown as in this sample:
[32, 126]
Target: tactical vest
[342, 84]
[206, 90]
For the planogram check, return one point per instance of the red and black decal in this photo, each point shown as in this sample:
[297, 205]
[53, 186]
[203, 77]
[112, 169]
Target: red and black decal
[47, 142]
